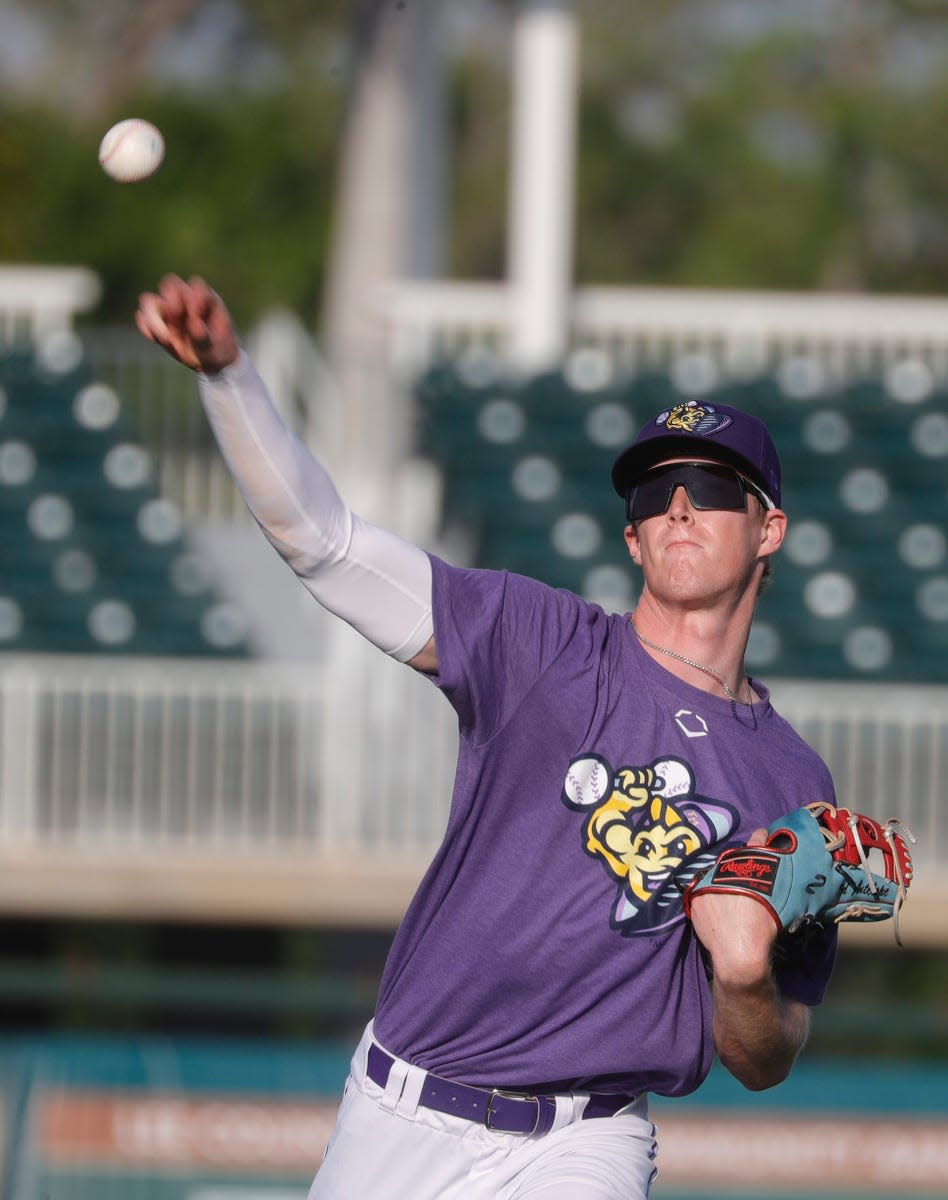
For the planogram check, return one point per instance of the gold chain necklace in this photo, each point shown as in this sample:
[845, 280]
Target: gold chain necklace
[689, 662]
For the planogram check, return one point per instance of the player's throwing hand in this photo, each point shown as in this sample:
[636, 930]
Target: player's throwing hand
[191, 322]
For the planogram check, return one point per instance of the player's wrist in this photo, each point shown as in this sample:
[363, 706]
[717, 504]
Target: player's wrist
[740, 941]
[228, 363]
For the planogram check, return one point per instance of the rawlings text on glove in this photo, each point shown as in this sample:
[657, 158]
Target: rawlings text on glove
[815, 868]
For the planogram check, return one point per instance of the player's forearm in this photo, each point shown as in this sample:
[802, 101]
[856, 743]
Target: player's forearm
[373, 579]
[758, 1032]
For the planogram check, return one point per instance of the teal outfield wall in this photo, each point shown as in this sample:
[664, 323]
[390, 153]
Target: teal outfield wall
[149, 1118]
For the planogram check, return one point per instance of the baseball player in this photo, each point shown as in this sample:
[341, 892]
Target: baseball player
[545, 978]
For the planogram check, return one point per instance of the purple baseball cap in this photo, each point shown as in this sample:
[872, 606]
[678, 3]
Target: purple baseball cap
[714, 431]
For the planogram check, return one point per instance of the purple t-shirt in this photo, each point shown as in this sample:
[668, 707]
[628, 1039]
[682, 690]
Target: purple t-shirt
[546, 947]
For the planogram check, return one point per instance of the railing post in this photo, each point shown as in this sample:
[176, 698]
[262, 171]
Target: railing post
[17, 754]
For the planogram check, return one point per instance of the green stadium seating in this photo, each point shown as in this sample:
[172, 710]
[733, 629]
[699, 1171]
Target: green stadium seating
[88, 563]
[860, 589]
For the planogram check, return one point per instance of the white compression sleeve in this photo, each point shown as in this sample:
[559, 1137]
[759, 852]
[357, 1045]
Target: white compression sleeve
[376, 581]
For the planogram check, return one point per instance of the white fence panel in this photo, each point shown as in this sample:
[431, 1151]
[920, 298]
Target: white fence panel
[357, 754]
[212, 754]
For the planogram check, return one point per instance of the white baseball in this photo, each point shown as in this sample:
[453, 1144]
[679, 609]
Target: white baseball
[132, 150]
[588, 781]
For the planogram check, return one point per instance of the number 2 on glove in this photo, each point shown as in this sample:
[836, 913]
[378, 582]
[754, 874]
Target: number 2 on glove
[815, 869]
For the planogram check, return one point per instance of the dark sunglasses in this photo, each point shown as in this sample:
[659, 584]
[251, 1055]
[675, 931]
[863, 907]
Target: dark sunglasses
[709, 485]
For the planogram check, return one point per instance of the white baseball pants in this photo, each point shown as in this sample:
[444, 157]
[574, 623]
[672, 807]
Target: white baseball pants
[387, 1147]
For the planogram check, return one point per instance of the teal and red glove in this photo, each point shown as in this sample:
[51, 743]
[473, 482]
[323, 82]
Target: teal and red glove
[815, 869]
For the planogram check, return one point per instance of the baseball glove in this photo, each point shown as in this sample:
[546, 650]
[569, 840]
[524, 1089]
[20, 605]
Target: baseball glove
[814, 869]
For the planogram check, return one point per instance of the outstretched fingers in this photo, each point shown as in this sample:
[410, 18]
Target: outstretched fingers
[150, 319]
[190, 321]
[158, 321]
[204, 318]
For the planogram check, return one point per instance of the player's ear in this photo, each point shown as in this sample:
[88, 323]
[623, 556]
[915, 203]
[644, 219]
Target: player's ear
[632, 542]
[772, 531]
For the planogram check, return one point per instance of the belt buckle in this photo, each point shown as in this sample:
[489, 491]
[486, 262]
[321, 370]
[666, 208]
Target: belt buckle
[494, 1093]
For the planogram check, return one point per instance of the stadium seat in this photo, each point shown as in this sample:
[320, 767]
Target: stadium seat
[90, 552]
[861, 587]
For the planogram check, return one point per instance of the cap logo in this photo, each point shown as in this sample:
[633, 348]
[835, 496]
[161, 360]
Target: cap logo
[692, 417]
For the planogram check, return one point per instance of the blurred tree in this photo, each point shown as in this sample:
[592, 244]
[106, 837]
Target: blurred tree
[722, 143]
[243, 197]
[100, 55]
[251, 112]
[735, 145]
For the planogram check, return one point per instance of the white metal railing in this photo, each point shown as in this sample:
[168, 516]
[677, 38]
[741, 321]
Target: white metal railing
[887, 747]
[214, 755]
[847, 333]
[745, 331]
[36, 302]
[356, 754]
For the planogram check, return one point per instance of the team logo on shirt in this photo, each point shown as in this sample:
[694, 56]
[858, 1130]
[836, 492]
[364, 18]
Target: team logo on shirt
[650, 831]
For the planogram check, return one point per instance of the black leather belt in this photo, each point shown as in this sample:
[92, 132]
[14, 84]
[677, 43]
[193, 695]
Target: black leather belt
[495, 1108]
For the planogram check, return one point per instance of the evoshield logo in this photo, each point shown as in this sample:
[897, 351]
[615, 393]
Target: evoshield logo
[690, 724]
